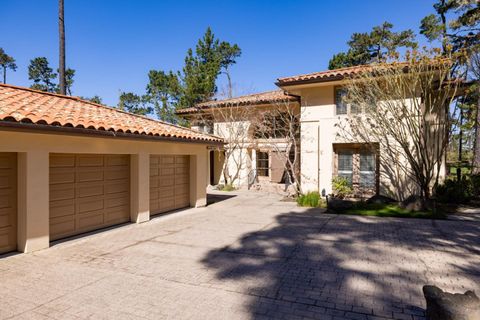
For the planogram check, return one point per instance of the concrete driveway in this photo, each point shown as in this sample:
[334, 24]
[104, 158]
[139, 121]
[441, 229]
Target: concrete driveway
[249, 256]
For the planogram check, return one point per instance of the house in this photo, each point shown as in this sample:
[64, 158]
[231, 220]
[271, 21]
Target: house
[324, 151]
[252, 156]
[68, 166]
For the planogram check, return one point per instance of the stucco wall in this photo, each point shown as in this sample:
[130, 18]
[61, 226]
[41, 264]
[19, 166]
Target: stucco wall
[33, 168]
[321, 129]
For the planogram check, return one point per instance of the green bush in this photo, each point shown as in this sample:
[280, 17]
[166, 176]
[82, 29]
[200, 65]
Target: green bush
[311, 199]
[341, 187]
[453, 191]
[226, 187]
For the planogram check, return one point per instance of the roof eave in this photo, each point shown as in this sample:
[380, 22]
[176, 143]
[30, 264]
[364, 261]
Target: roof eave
[49, 129]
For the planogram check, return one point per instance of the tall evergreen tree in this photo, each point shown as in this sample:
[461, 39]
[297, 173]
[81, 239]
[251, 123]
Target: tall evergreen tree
[374, 46]
[62, 73]
[42, 75]
[169, 91]
[6, 62]
[460, 35]
[163, 91]
[133, 103]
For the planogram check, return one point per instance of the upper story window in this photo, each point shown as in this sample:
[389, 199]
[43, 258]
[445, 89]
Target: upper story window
[341, 107]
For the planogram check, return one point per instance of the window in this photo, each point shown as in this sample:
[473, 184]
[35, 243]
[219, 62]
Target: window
[341, 106]
[367, 170]
[345, 165]
[262, 164]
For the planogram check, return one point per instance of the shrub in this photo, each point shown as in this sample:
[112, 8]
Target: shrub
[226, 187]
[453, 191]
[311, 199]
[341, 187]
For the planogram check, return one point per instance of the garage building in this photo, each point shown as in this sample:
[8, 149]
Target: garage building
[69, 166]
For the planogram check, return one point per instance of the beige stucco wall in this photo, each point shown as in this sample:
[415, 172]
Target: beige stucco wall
[321, 128]
[33, 167]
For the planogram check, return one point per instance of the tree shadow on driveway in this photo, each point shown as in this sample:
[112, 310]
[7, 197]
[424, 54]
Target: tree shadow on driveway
[320, 266]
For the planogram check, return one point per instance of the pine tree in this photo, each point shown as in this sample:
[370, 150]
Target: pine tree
[375, 46]
[6, 62]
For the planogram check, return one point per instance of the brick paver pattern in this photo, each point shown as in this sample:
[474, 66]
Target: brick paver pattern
[250, 256]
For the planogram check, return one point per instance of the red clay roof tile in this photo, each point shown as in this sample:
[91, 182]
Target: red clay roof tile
[19, 104]
[251, 99]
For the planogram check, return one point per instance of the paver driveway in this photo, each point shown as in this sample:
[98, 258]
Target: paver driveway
[247, 257]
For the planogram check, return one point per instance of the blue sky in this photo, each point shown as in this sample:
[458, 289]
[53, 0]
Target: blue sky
[112, 44]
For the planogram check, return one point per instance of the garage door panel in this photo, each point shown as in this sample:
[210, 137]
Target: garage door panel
[154, 171]
[7, 160]
[61, 175]
[62, 191]
[166, 204]
[167, 171]
[154, 182]
[85, 205]
[7, 180]
[117, 187]
[62, 208]
[166, 160]
[169, 189]
[7, 217]
[167, 181]
[97, 194]
[89, 221]
[181, 179]
[62, 225]
[89, 160]
[7, 239]
[181, 159]
[90, 174]
[116, 160]
[89, 189]
[117, 173]
[117, 215]
[119, 200]
[62, 160]
[6, 198]
[8, 202]
[166, 192]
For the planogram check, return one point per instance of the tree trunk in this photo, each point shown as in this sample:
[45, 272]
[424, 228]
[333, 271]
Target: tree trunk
[476, 157]
[460, 147]
[4, 74]
[61, 64]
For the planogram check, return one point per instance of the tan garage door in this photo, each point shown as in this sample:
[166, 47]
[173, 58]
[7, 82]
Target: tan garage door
[169, 183]
[88, 192]
[8, 202]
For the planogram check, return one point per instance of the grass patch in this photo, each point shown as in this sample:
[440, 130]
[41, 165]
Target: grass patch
[389, 210]
[226, 187]
[312, 200]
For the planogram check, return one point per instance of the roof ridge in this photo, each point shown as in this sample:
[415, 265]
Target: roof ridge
[76, 98]
[326, 71]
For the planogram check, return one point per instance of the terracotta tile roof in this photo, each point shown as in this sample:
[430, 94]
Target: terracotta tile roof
[251, 99]
[27, 106]
[322, 76]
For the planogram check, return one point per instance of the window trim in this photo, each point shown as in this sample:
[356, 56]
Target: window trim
[357, 149]
[348, 106]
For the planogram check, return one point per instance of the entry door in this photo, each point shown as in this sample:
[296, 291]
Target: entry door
[169, 183]
[8, 202]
